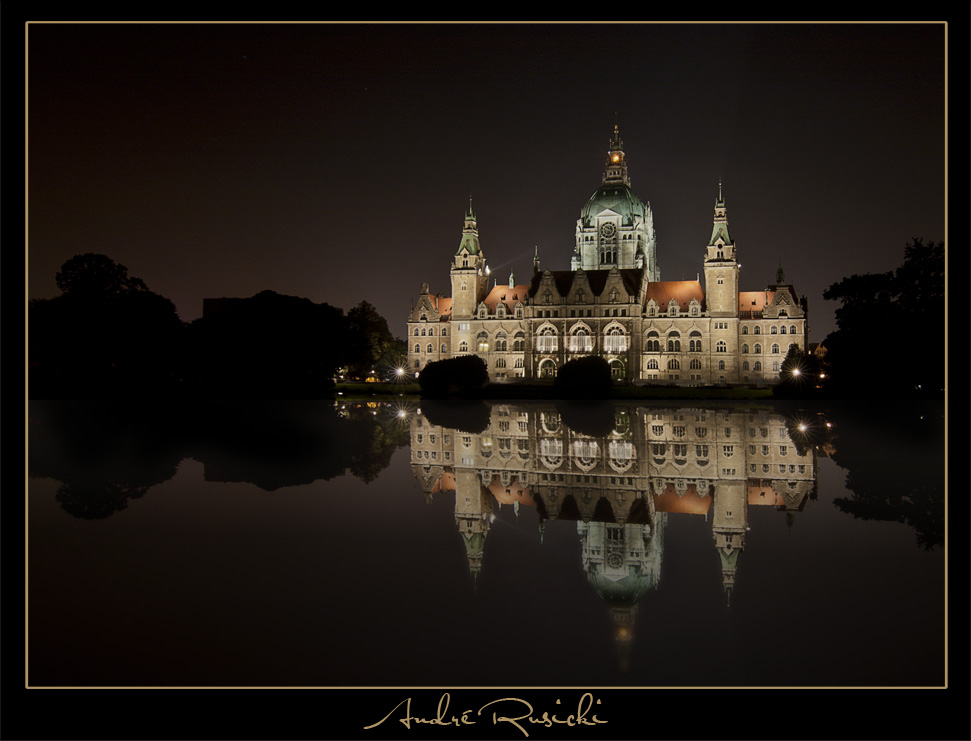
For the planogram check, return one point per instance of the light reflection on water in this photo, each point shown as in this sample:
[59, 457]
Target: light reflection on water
[415, 544]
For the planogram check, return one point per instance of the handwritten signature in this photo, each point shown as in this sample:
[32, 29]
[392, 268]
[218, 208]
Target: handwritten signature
[508, 706]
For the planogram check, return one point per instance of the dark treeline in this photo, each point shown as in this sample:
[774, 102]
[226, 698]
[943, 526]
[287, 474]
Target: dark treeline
[107, 336]
[878, 313]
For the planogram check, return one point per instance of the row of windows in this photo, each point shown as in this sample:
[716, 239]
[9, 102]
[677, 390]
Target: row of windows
[623, 313]
[772, 330]
[431, 348]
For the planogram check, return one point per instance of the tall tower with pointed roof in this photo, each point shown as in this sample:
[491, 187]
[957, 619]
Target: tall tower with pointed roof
[615, 228]
[470, 278]
[721, 265]
[721, 295]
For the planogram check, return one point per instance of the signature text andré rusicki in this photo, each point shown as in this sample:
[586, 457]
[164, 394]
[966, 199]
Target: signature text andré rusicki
[512, 710]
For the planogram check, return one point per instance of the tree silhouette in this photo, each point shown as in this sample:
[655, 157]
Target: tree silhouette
[106, 335]
[96, 275]
[876, 313]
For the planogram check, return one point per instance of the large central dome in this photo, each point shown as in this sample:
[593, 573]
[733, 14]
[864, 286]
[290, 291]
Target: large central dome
[616, 197]
[616, 228]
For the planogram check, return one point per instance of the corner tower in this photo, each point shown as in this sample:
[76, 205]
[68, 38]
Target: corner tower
[721, 265]
[615, 228]
[469, 275]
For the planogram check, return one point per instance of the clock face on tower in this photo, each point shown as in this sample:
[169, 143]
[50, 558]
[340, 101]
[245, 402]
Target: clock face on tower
[607, 230]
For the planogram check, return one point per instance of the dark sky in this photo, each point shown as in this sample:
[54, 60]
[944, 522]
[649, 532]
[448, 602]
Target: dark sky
[335, 162]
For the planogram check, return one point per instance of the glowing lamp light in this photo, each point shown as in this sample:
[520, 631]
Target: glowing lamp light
[399, 372]
[402, 414]
[795, 371]
[802, 427]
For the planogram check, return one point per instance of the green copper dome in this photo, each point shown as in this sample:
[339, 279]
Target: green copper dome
[616, 197]
[627, 590]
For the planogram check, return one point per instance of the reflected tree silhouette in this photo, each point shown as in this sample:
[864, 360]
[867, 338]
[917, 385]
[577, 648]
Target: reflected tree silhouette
[107, 454]
[894, 461]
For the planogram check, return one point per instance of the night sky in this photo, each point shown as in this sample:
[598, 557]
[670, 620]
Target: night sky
[335, 162]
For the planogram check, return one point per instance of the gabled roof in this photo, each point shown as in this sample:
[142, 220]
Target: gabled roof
[754, 300]
[442, 305]
[509, 296]
[682, 291]
[597, 279]
[689, 503]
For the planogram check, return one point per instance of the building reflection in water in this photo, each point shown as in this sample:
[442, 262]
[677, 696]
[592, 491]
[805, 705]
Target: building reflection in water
[620, 482]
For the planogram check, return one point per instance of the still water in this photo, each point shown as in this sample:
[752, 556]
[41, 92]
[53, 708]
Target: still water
[485, 544]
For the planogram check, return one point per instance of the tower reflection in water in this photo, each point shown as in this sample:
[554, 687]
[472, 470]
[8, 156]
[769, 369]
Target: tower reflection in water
[619, 473]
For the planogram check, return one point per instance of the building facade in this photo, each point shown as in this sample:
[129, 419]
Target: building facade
[613, 303]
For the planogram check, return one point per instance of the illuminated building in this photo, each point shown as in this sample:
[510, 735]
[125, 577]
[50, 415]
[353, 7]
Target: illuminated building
[612, 303]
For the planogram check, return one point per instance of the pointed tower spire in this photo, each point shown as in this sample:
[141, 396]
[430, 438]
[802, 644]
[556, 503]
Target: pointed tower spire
[616, 170]
[536, 260]
[719, 227]
[470, 234]
[780, 276]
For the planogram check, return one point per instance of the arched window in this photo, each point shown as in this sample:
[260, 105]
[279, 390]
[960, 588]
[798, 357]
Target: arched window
[546, 340]
[744, 349]
[615, 341]
[501, 345]
[482, 342]
[721, 365]
[695, 364]
[758, 348]
[652, 364]
[673, 364]
[775, 349]
[547, 369]
[580, 340]
[744, 365]
[758, 365]
[423, 333]
[757, 330]
[721, 346]
[773, 329]
[463, 346]
[444, 347]
[417, 348]
[431, 347]
[416, 331]
[744, 330]
[674, 345]
[782, 329]
[519, 342]
[792, 329]
[500, 362]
